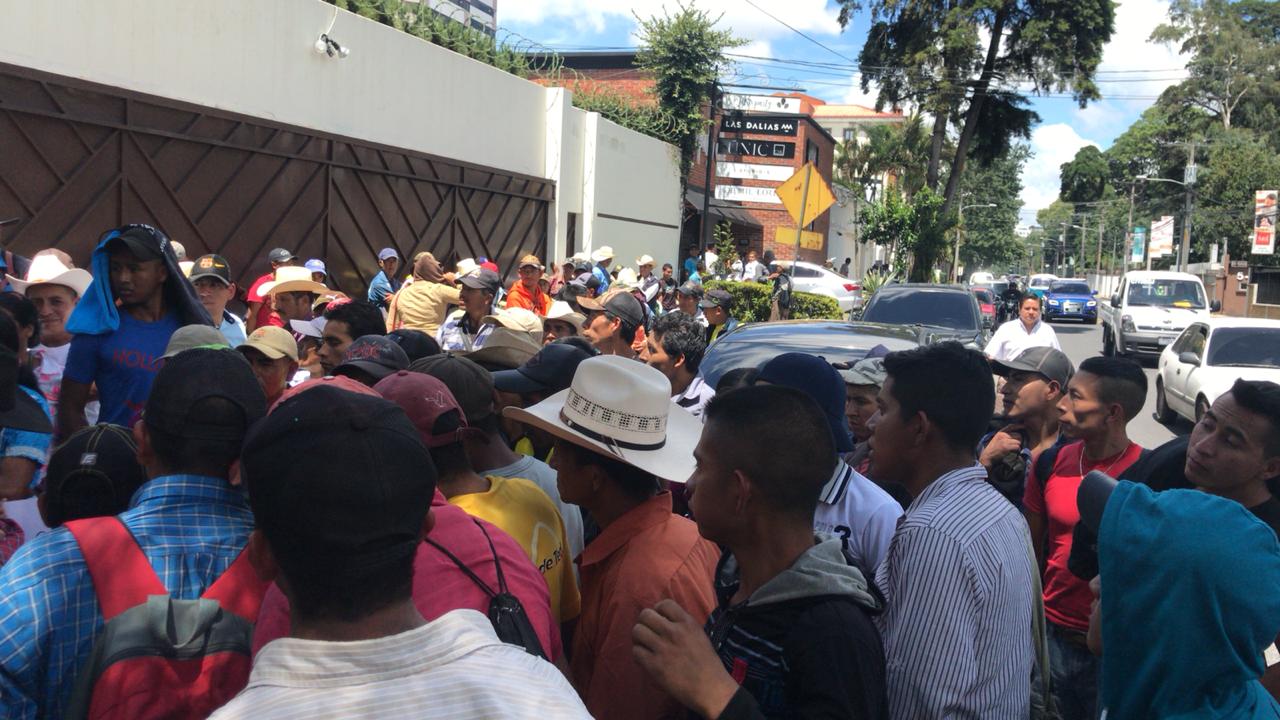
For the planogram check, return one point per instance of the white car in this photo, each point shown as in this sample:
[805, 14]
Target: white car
[1208, 357]
[811, 278]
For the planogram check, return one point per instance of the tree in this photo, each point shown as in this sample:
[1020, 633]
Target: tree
[1239, 163]
[899, 150]
[930, 52]
[989, 240]
[685, 55]
[914, 232]
[1230, 61]
[1084, 177]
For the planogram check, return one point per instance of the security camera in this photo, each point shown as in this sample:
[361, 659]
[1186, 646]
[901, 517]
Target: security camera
[326, 45]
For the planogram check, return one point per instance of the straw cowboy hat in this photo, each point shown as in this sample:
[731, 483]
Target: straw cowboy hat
[627, 279]
[603, 253]
[292, 278]
[644, 260]
[49, 270]
[466, 266]
[621, 409]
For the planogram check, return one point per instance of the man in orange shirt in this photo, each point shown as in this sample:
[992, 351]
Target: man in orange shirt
[617, 432]
[527, 293]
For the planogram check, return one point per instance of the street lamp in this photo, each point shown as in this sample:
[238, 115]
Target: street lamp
[955, 258]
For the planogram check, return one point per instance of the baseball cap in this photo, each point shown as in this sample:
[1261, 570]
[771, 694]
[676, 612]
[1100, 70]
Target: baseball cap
[817, 379]
[279, 255]
[190, 337]
[868, 371]
[428, 403]
[1053, 364]
[316, 265]
[717, 298]
[93, 473]
[375, 355]
[415, 343]
[690, 288]
[471, 385]
[560, 310]
[505, 348]
[482, 279]
[274, 342]
[145, 242]
[1091, 499]
[528, 260]
[581, 265]
[548, 372]
[386, 253]
[339, 475]
[619, 303]
[517, 319]
[310, 328]
[191, 377]
[214, 266]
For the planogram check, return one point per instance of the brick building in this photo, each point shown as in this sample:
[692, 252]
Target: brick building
[756, 150]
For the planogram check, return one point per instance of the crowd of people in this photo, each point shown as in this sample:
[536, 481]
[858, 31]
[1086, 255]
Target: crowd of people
[456, 497]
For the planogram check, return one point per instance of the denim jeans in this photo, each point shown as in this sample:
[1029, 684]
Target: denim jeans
[1074, 671]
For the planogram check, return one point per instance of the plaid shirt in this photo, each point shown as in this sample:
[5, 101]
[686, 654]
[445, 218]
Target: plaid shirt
[191, 528]
[455, 333]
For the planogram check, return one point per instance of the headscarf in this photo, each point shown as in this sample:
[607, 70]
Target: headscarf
[1188, 605]
[427, 268]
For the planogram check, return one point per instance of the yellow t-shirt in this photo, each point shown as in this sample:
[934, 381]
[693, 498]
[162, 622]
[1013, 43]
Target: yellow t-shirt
[524, 512]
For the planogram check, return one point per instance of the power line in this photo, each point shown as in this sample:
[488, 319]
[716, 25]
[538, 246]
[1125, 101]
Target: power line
[806, 37]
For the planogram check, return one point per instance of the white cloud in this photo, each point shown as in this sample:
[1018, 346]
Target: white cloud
[1129, 51]
[1051, 145]
[810, 16]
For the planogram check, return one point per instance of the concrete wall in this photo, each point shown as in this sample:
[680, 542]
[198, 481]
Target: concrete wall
[258, 59]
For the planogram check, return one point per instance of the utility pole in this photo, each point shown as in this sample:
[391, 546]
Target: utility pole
[1128, 229]
[1084, 236]
[1189, 181]
[1097, 267]
[705, 235]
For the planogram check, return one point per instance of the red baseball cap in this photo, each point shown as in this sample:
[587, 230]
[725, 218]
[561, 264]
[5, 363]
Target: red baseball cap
[429, 404]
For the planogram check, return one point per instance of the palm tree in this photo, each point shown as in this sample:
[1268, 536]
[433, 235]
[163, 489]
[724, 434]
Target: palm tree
[899, 151]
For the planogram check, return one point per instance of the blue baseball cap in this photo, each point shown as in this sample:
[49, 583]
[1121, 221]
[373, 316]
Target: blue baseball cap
[817, 379]
[387, 252]
[316, 265]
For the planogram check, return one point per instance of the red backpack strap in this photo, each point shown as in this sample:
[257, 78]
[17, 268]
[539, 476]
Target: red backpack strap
[122, 575]
[239, 590]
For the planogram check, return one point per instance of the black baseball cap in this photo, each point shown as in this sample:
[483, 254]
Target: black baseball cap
[143, 241]
[471, 385]
[619, 303]
[415, 343]
[279, 255]
[374, 354]
[18, 410]
[690, 288]
[339, 482]
[1053, 364]
[192, 376]
[1091, 499]
[483, 279]
[93, 474]
[549, 371]
[717, 298]
[214, 266]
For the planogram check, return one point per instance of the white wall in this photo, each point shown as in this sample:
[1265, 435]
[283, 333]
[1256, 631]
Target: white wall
[257, 58]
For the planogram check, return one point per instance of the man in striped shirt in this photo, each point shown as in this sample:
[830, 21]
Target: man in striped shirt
[959, 577]
[339, 528]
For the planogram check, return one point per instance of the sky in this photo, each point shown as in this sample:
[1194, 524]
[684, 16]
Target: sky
[1133, 71]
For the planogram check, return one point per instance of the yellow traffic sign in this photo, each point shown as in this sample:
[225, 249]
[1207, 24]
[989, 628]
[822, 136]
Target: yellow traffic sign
[808, 240]
[792, 194]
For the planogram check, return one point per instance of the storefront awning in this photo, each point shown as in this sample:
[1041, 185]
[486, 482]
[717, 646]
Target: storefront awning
[732, 213]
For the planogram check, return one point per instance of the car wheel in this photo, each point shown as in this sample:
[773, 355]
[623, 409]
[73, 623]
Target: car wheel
[1202, 407]
[1093, 320]
[1164, 415]
[1108, 343]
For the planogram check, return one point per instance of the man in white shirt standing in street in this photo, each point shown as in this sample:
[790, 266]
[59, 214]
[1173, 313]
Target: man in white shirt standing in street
[959, 577]
[1027, 331]
[359, 647]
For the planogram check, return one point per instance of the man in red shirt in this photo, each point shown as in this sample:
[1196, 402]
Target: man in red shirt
[1103, 396]
[527, 293]
[260, 311]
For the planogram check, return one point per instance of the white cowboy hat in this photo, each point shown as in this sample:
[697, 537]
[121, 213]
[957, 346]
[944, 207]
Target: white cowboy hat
[49, 270]
[560, 310]
[466, 266]
[644, 260]
[627, 279]
[603, 253]
[293, 278]
[621, 409]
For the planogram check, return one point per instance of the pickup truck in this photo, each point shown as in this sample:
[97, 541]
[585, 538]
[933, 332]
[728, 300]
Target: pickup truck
[1150, 310]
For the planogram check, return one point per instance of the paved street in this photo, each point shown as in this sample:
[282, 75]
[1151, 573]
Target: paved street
[1085, 341]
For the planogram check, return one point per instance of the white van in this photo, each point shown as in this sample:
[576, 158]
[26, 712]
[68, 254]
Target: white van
[1150, 309]
[981, 278]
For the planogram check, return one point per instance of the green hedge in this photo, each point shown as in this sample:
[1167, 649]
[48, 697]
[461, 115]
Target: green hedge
[751, 302]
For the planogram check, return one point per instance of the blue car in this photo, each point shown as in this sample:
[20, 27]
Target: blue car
[1071, 300]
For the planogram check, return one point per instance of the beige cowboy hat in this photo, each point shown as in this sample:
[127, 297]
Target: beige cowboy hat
[49, 270]
[621, 409]
[628, 279]
[603, 253]
[466, 266]
[293, 278]
[644, 260]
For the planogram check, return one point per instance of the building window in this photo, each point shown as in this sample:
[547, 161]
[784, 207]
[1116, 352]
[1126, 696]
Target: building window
[1268, 288]
[848, 134]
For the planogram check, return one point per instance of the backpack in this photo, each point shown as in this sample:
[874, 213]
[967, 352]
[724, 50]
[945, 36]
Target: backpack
[158, 656]
[506, 613]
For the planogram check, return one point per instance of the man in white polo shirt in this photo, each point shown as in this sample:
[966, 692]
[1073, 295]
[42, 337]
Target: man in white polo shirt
[1027, 332]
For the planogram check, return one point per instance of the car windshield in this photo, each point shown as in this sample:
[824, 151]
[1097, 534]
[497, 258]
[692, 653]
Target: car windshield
[984, 296]
[1166, 293]
[1069, 288]
[1040, 281]
[1245, 347]
[923, 307]
[998, 287]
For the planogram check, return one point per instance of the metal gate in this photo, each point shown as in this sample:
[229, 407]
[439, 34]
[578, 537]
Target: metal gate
[77, 158]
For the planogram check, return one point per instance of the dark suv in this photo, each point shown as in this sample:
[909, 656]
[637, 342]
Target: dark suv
[940, 312]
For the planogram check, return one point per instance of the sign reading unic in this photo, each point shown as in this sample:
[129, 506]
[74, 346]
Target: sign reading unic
[756, 148]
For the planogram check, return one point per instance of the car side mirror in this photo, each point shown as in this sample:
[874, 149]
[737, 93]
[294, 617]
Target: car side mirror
[1187, 357]
[1115, 300]
[1215, 306]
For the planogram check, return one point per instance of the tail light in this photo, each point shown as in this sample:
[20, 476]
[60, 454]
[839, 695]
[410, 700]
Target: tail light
[852, 287]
